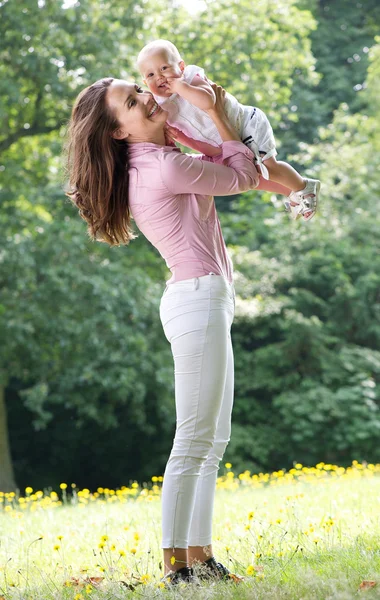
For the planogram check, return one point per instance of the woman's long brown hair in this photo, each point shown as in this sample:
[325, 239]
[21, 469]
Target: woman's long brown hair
[98, 167]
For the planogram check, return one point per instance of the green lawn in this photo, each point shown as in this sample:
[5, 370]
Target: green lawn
[308, 534]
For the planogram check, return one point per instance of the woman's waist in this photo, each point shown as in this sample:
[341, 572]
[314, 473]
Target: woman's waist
[212, 280]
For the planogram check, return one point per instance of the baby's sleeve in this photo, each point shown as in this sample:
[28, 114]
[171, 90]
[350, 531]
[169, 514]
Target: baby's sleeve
[192, 71]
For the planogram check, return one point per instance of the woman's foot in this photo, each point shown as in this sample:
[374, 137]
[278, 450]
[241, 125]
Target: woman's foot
[304, 203]
[184, 575]
[210, 569]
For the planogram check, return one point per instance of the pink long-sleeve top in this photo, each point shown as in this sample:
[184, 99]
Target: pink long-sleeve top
[171, 201]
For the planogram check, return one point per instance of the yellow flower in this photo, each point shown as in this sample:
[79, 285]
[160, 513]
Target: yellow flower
[63, 486]
[78, 597]
[145, 578]
[121, 553]
[104, 538]
[59, 537]
[136, 536]
[250, 570]
[228, 465]
[29, 490]
[172, 560]
[113, 547]
[161, 585]
[133, 550]
[250, 516]
[101, 545]
[89, 589]
[57, 547]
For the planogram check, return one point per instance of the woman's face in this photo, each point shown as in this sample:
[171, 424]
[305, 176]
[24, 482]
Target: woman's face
[139, 116]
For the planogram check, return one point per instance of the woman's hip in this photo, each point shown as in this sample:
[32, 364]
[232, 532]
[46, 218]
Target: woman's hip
[198, 302]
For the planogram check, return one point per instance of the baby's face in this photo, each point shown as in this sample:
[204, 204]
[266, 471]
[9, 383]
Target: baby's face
[156, 68]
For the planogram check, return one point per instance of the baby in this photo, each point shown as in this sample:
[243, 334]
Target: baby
[185, 93]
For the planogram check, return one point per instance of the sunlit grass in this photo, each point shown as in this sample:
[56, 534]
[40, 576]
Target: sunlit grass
[309, 533]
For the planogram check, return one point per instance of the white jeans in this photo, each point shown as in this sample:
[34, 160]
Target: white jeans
[196, 315]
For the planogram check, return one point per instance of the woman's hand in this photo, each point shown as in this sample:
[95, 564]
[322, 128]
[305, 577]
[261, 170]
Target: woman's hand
[175, 135]
[220, 95]
[218, 114]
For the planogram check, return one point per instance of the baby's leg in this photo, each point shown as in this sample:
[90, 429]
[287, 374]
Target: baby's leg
[272, 186]
[283, 173]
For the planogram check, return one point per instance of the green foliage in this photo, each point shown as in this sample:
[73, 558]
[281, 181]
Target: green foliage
[48, 53]
[307, 336]
[83, 351]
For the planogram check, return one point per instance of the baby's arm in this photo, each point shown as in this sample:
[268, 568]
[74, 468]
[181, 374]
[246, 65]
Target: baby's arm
[199, 92]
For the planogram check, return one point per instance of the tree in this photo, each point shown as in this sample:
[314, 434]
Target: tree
[49, 52]
[308, 334]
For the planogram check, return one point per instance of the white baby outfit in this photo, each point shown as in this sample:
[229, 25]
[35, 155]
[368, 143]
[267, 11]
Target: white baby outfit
[252, 123]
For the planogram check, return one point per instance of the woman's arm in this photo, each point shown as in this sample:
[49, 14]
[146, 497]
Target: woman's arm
[186, 174]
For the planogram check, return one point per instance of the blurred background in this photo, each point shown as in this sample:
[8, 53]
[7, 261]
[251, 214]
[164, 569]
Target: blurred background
[86, 374]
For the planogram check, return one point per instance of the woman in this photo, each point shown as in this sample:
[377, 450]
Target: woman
[121, 166]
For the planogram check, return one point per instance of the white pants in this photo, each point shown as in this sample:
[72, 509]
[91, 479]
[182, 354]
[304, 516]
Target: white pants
[196, 315]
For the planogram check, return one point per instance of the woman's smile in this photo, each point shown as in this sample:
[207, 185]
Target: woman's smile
[155, 108]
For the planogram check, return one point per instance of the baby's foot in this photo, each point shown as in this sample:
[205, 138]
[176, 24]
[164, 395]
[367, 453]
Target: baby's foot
[305, 202]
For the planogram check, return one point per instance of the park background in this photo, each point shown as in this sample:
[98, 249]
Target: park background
[86, 374]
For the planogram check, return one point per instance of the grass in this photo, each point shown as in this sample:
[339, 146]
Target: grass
[309, 534]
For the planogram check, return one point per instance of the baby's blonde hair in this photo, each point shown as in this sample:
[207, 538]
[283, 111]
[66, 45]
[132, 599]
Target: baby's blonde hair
[168, 47]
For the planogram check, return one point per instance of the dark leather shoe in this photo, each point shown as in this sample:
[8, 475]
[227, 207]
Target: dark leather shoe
[185, 575]
[216, 570]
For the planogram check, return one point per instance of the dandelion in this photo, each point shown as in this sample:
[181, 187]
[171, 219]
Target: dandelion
[56, 547]
[63, 486]
[113, 547]
[88, 589]
[145, 578]
[104, 538]
[59, 537]
[101, 545]
[133, 550]
[250, 570]
[121, 553]
[228, 465]
[250, 516]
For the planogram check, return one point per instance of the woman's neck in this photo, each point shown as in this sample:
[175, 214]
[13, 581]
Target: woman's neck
[157, 138]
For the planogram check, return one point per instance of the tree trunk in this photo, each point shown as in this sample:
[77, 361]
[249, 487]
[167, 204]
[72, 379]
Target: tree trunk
[7, 480]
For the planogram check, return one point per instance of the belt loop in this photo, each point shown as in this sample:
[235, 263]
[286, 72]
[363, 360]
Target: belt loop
[196, 283]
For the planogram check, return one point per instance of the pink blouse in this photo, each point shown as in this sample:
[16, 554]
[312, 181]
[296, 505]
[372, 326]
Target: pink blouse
[171, 201]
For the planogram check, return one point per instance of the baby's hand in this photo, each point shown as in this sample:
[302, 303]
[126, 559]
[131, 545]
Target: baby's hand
[175, 84]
